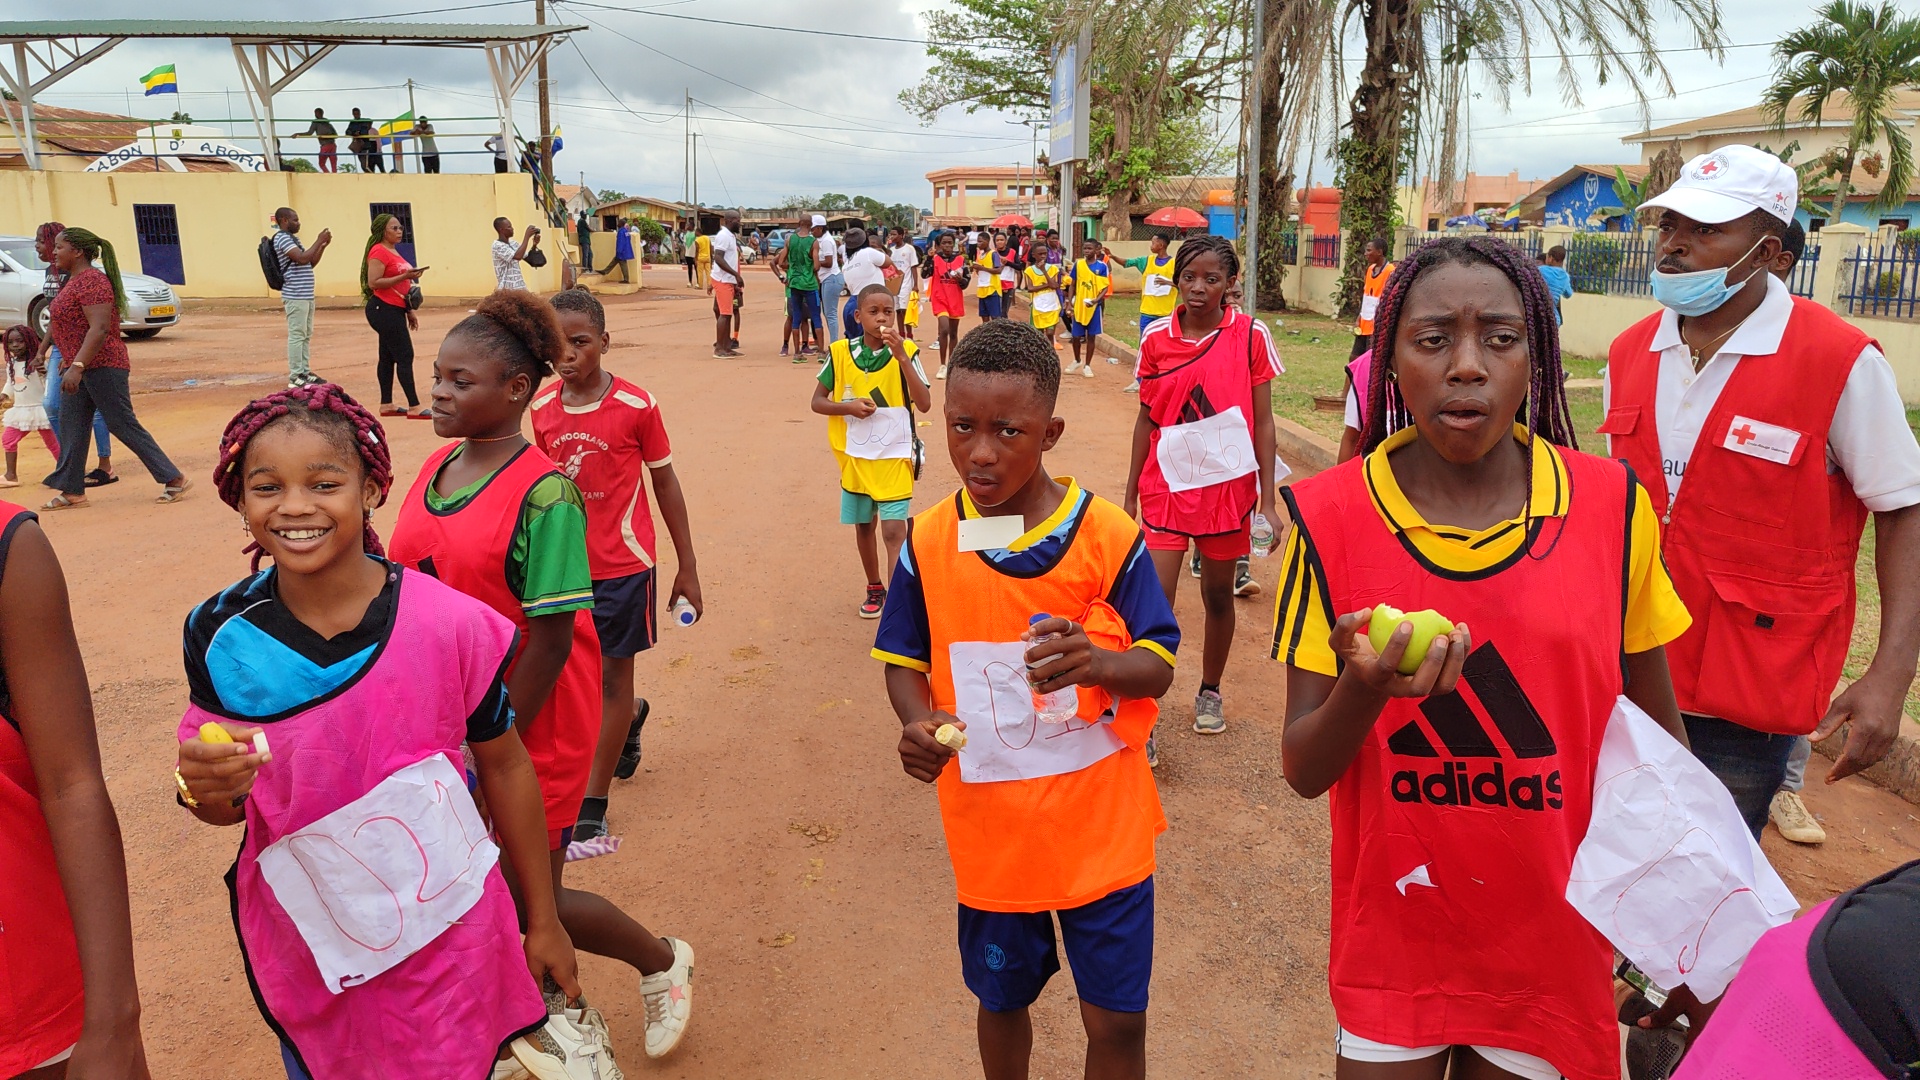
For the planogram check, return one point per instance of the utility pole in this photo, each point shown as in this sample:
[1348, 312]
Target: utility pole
[695, 159]
[546, 116]
[686, 154]
[1251, 290]
[400, 153]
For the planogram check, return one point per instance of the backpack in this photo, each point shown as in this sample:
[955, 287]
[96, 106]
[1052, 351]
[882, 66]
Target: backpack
[270, 264]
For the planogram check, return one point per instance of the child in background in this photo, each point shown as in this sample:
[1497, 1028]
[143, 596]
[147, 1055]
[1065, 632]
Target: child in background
[949, 304]
[490, 515]
[68, 1003]
[866, 393]
[1043, 287]
[299, 651]
[1158, 297]
[986, 278]
[1068, 831]
[906, 261]
[607, 436]
[1206, 375]
[1559, 283]
[1449, 890]
[1013, 261]
[1090, 285]
[27, 385]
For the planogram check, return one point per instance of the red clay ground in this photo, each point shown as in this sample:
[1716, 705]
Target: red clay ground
[772, 826]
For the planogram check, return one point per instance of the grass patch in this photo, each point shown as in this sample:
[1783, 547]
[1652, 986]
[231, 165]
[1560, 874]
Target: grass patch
[1866, 626]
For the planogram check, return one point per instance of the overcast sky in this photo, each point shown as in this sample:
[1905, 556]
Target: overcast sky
[782, 113]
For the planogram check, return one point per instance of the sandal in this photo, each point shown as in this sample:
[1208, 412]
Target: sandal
[99, 478]
[6, 483]
[175, 491]
[389, 410]
[62, 502]
[425, 413]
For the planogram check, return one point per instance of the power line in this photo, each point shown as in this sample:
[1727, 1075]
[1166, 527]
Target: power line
[427, 11]
[778, 29]
[609, 89]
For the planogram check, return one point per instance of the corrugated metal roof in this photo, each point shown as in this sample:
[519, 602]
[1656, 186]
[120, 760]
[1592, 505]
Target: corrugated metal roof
[1837, 114]
[337, 32]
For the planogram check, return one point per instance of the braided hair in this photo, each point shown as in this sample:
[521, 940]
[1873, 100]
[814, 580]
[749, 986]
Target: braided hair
[1207, 243]
[95, 248]
[321, 407]
[47, 233]
[379, 234]
[1546, 410]
[25, 334]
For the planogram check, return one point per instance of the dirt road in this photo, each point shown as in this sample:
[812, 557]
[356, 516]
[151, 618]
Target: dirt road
[772, 826]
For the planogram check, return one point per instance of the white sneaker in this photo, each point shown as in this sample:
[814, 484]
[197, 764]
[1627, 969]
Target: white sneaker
[509, 1067]
[942, 373]
[1794, 820]
[668, 997]
[1087, 370]
[566, 1051]
[1073, 367]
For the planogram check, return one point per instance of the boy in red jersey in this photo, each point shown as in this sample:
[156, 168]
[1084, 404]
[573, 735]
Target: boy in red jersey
[606, 434]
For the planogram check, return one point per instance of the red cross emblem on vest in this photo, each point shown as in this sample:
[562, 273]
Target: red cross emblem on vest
[1743, 434]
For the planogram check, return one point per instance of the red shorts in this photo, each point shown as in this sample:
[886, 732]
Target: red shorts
[1220, 547]
[947, 300]
[723, 297]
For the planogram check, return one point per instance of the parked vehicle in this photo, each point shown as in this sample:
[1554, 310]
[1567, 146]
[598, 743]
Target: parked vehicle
[777, 240]
[152, 305]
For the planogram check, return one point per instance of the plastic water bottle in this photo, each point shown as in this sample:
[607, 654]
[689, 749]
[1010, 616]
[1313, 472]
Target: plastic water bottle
[682, 613]
[1059, 706]
[1262, 536]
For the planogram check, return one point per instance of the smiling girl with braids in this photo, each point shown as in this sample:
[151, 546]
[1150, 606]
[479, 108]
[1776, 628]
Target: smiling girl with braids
[1203, 449]
[362, 732]
[492, 516]
[1456, 815]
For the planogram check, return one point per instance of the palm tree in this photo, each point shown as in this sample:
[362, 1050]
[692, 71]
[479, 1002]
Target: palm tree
[1404, 84]
[1868, 54]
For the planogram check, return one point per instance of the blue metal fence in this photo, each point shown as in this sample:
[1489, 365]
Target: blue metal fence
[1800, 278]
[1290, 247]
[1882, 280]
[1326, 251]
[1610, 265]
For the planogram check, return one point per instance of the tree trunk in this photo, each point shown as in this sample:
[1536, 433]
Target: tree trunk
[1843, 186]
[1275, 179]
[1117, 223]
[1370, 155]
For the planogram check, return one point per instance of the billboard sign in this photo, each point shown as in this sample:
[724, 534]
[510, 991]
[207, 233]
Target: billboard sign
[1067, 134]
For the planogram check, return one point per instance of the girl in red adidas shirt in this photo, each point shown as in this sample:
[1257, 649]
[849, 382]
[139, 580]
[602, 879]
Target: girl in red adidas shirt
[1459, 793]
[606, 435]
[1203, 447]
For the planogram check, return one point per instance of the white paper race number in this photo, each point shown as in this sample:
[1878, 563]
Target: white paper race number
[1206, 452]
[1005, 740]
[885, 435]
[378, 879]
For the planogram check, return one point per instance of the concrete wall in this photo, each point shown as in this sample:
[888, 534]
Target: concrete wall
[222, 217]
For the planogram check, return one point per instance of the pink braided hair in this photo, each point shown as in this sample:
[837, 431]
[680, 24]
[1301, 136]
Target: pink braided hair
[324, 407]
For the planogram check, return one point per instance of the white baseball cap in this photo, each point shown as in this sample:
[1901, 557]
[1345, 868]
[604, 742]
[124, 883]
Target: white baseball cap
[1730, 183]
[819, 221]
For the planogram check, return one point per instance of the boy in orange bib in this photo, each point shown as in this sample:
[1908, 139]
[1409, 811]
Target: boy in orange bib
[1022, 585]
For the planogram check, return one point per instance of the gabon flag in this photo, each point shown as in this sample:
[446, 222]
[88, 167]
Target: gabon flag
[160, 80]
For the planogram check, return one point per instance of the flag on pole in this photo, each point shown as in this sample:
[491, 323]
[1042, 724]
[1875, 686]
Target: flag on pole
[160, 80]
[558, 143]
[400, 127]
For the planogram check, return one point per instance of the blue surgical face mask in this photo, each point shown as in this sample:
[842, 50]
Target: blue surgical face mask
[1700, 291]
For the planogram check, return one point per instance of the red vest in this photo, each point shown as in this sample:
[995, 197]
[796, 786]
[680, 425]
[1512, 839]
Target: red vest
[1762, 553]
[1455, 826]
[467, 548]
[41, 1004]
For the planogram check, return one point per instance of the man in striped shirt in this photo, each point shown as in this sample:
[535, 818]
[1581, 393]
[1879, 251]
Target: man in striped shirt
[296, 292]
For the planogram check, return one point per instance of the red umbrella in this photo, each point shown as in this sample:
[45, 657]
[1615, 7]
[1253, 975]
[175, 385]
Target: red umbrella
[1176, 217]
[1008, 220]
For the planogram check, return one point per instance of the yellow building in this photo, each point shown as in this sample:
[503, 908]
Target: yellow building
[668, 214]
[965, 195]
[201, 230]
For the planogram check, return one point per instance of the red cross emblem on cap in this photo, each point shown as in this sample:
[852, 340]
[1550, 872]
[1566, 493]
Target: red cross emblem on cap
[1709, 168]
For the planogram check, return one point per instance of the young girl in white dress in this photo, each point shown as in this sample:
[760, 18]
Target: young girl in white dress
[27, 384]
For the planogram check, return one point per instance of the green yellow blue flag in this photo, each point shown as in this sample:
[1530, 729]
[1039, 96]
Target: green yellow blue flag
[400, 127]
[559, 143]
[160, 80]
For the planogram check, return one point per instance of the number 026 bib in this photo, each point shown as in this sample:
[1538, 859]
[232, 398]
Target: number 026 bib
[1206, 452]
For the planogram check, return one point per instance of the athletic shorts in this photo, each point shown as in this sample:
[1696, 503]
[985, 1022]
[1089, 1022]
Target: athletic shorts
[1354, 1048]
[624, 615]
[558, 839]
[1091, 328]
[724, 294]
[858, 509]
[992, 307]
[803, 306]
[1006, 957]
[1219, 547]
[1145, 321]
[948, 302]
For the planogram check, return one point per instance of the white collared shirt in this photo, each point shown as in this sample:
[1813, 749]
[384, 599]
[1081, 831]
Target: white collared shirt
[1869, 440]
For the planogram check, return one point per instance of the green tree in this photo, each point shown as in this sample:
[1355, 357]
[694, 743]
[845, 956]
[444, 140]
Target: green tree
[608, 195]
[1414, 49]
[1869, 54]
[182, 117]
[1157, 66]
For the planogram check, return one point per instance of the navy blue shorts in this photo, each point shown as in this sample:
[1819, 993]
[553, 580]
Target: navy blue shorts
[1007, 957]
[623, 614]
[991, 307]
[803, 307]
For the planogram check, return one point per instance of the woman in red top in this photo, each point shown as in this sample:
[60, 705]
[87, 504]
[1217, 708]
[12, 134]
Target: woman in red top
[84, 322]
[68, 1001]
[385, 279]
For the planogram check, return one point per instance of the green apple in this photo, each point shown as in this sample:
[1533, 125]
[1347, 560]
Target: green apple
[1427, 625]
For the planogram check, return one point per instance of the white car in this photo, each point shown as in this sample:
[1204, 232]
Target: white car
[152, 305]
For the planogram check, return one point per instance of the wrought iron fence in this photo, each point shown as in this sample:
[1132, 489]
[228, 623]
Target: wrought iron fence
[1800, 278]
[1289, 247]
[1326, 251]
[1615, 265]
[1882, 280]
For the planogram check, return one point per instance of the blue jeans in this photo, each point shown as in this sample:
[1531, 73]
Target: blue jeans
[830, 286]
[52, 402]
[1751, 763]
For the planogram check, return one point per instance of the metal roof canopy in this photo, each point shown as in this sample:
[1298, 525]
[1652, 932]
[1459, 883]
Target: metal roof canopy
[271, 55]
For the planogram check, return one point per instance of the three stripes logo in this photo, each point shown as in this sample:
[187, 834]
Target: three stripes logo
[1463, 735]
[1197, 407]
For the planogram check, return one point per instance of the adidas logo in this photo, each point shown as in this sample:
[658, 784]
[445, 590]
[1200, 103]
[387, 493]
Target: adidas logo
[1197, 407]
[1463, 735]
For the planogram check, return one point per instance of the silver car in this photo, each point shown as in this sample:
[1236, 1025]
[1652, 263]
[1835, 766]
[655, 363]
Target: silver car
[152, 305]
